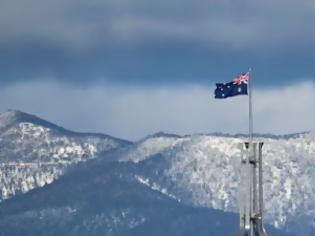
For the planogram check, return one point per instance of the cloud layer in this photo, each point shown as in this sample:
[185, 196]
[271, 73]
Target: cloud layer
[156, 41]
[134, 112]
[126, 67]
[80, 24]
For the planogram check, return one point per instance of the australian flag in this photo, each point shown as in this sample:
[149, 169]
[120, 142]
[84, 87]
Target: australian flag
[237, 87]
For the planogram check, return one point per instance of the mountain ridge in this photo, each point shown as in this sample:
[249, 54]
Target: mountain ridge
[17, 116]
[199, 170]
[35, 152]
[203, 171]
[227, 135]
[109, 201]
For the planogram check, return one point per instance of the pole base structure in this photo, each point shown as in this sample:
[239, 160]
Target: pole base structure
[251, 191]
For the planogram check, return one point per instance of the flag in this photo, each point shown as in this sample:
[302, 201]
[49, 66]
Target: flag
[237, 87]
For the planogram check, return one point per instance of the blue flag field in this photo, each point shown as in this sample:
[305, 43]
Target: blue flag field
[234, 88]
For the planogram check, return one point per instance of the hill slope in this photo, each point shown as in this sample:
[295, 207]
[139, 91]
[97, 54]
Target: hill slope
[100, 198]
[203, 170]
[197, 171]
[34, 152]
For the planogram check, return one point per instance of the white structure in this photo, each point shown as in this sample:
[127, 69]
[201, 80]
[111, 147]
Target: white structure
[251, 191]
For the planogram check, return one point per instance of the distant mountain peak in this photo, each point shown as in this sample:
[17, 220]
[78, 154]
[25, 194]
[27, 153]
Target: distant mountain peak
[10, 117]
[15, 114]
[40, 151]
[13, 117]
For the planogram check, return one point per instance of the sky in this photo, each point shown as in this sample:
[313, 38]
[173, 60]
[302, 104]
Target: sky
[130, 68]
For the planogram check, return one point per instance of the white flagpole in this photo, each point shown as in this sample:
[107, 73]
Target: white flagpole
[250, 107]
[250, 134]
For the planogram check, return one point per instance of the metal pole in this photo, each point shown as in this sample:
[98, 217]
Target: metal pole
[261, 194]
[250, 107]
[251, 150]
[255, 200]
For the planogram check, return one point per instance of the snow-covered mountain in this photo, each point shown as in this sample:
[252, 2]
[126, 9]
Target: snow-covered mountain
[106, 198]
[193, 170]
[34, 152]
[203, 170]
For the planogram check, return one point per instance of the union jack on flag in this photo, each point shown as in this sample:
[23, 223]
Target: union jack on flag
[237, 87]
[243, 78]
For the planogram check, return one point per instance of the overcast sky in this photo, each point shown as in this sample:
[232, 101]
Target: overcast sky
[130, 68]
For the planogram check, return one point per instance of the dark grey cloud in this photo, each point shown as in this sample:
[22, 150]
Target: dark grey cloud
[84, 24]
[156, 41]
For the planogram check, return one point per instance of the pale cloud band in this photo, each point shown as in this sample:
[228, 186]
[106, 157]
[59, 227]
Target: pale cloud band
[134, 112]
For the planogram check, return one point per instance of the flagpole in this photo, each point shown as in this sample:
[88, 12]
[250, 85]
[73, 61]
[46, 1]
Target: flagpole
[250, 108]
[250, 136]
